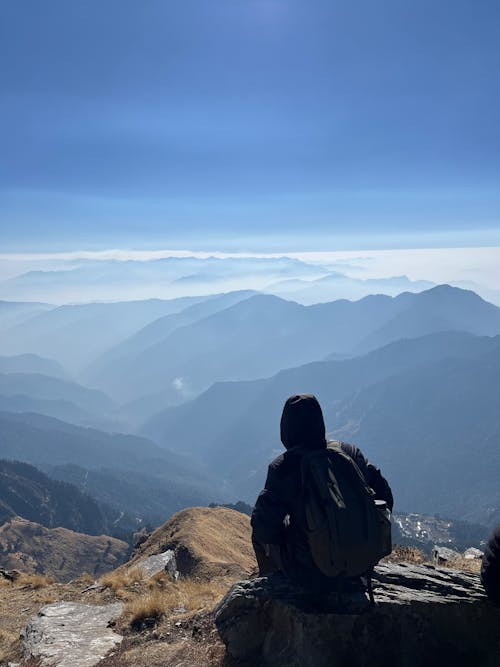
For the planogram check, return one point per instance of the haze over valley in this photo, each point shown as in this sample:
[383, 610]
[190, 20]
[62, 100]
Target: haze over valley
[151, 405]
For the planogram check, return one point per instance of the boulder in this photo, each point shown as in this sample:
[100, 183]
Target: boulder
[164, 562]
[423, 616]
[444, 555]
[473, 554]
[69, 634]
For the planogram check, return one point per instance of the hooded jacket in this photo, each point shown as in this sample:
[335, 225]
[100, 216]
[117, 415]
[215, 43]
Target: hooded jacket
[302, 427]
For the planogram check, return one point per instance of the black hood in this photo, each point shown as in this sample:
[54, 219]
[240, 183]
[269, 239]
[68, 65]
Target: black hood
[302, 423]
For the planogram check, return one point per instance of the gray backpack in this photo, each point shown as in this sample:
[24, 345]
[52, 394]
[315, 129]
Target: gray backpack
[348, 532]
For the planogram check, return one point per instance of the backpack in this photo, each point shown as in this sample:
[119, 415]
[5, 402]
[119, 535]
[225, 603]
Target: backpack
[347, 531]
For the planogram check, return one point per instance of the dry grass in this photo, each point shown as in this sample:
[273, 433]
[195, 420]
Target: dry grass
[414, 555]
[196, 596]
[206, 653]
[150, 606]
[7, 641]
[165, 595]
[187, 593]
[46, 599]
[122, 580]
[35, 581]
[406, 554]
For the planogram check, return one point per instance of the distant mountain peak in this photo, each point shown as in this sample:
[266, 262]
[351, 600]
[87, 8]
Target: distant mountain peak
[446, 290]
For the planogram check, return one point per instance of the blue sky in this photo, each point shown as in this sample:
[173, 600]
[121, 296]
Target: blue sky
[249, 124]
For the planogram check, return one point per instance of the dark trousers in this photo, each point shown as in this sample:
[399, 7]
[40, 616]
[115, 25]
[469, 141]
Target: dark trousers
[269, 557]
[272, 558]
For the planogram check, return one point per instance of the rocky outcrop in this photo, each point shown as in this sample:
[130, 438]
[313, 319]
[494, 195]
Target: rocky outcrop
[207, 543]
[164, 562]
[473, 554]
[423, 616]
[68, 634]
[442, 555]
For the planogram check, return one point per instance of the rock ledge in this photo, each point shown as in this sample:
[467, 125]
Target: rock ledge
[423, 615]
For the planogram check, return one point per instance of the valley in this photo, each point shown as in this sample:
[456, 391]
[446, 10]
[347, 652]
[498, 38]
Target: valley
[181, 406]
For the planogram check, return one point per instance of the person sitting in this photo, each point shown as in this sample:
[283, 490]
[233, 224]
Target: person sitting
[279, 524]
[490, 568]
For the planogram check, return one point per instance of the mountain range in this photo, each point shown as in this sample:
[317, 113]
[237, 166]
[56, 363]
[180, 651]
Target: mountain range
[394, 402]
[75, 335]
[337, 285]
[203, 379]
[32, 363]
[16, 312]
[131, 474]
[435, 430]
[260, 335]
[59, 398]
[148, 355]
[170, 277]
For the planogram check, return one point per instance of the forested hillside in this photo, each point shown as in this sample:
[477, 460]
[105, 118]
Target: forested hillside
[27, 492]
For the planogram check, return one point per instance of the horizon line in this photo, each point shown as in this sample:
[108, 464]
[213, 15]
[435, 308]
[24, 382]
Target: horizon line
[127, 254]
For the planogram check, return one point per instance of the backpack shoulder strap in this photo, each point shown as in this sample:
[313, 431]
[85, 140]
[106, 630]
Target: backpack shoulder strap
[336, 445]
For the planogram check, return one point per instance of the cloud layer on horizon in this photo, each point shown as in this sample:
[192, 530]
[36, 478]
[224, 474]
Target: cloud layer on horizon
[137, 274]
